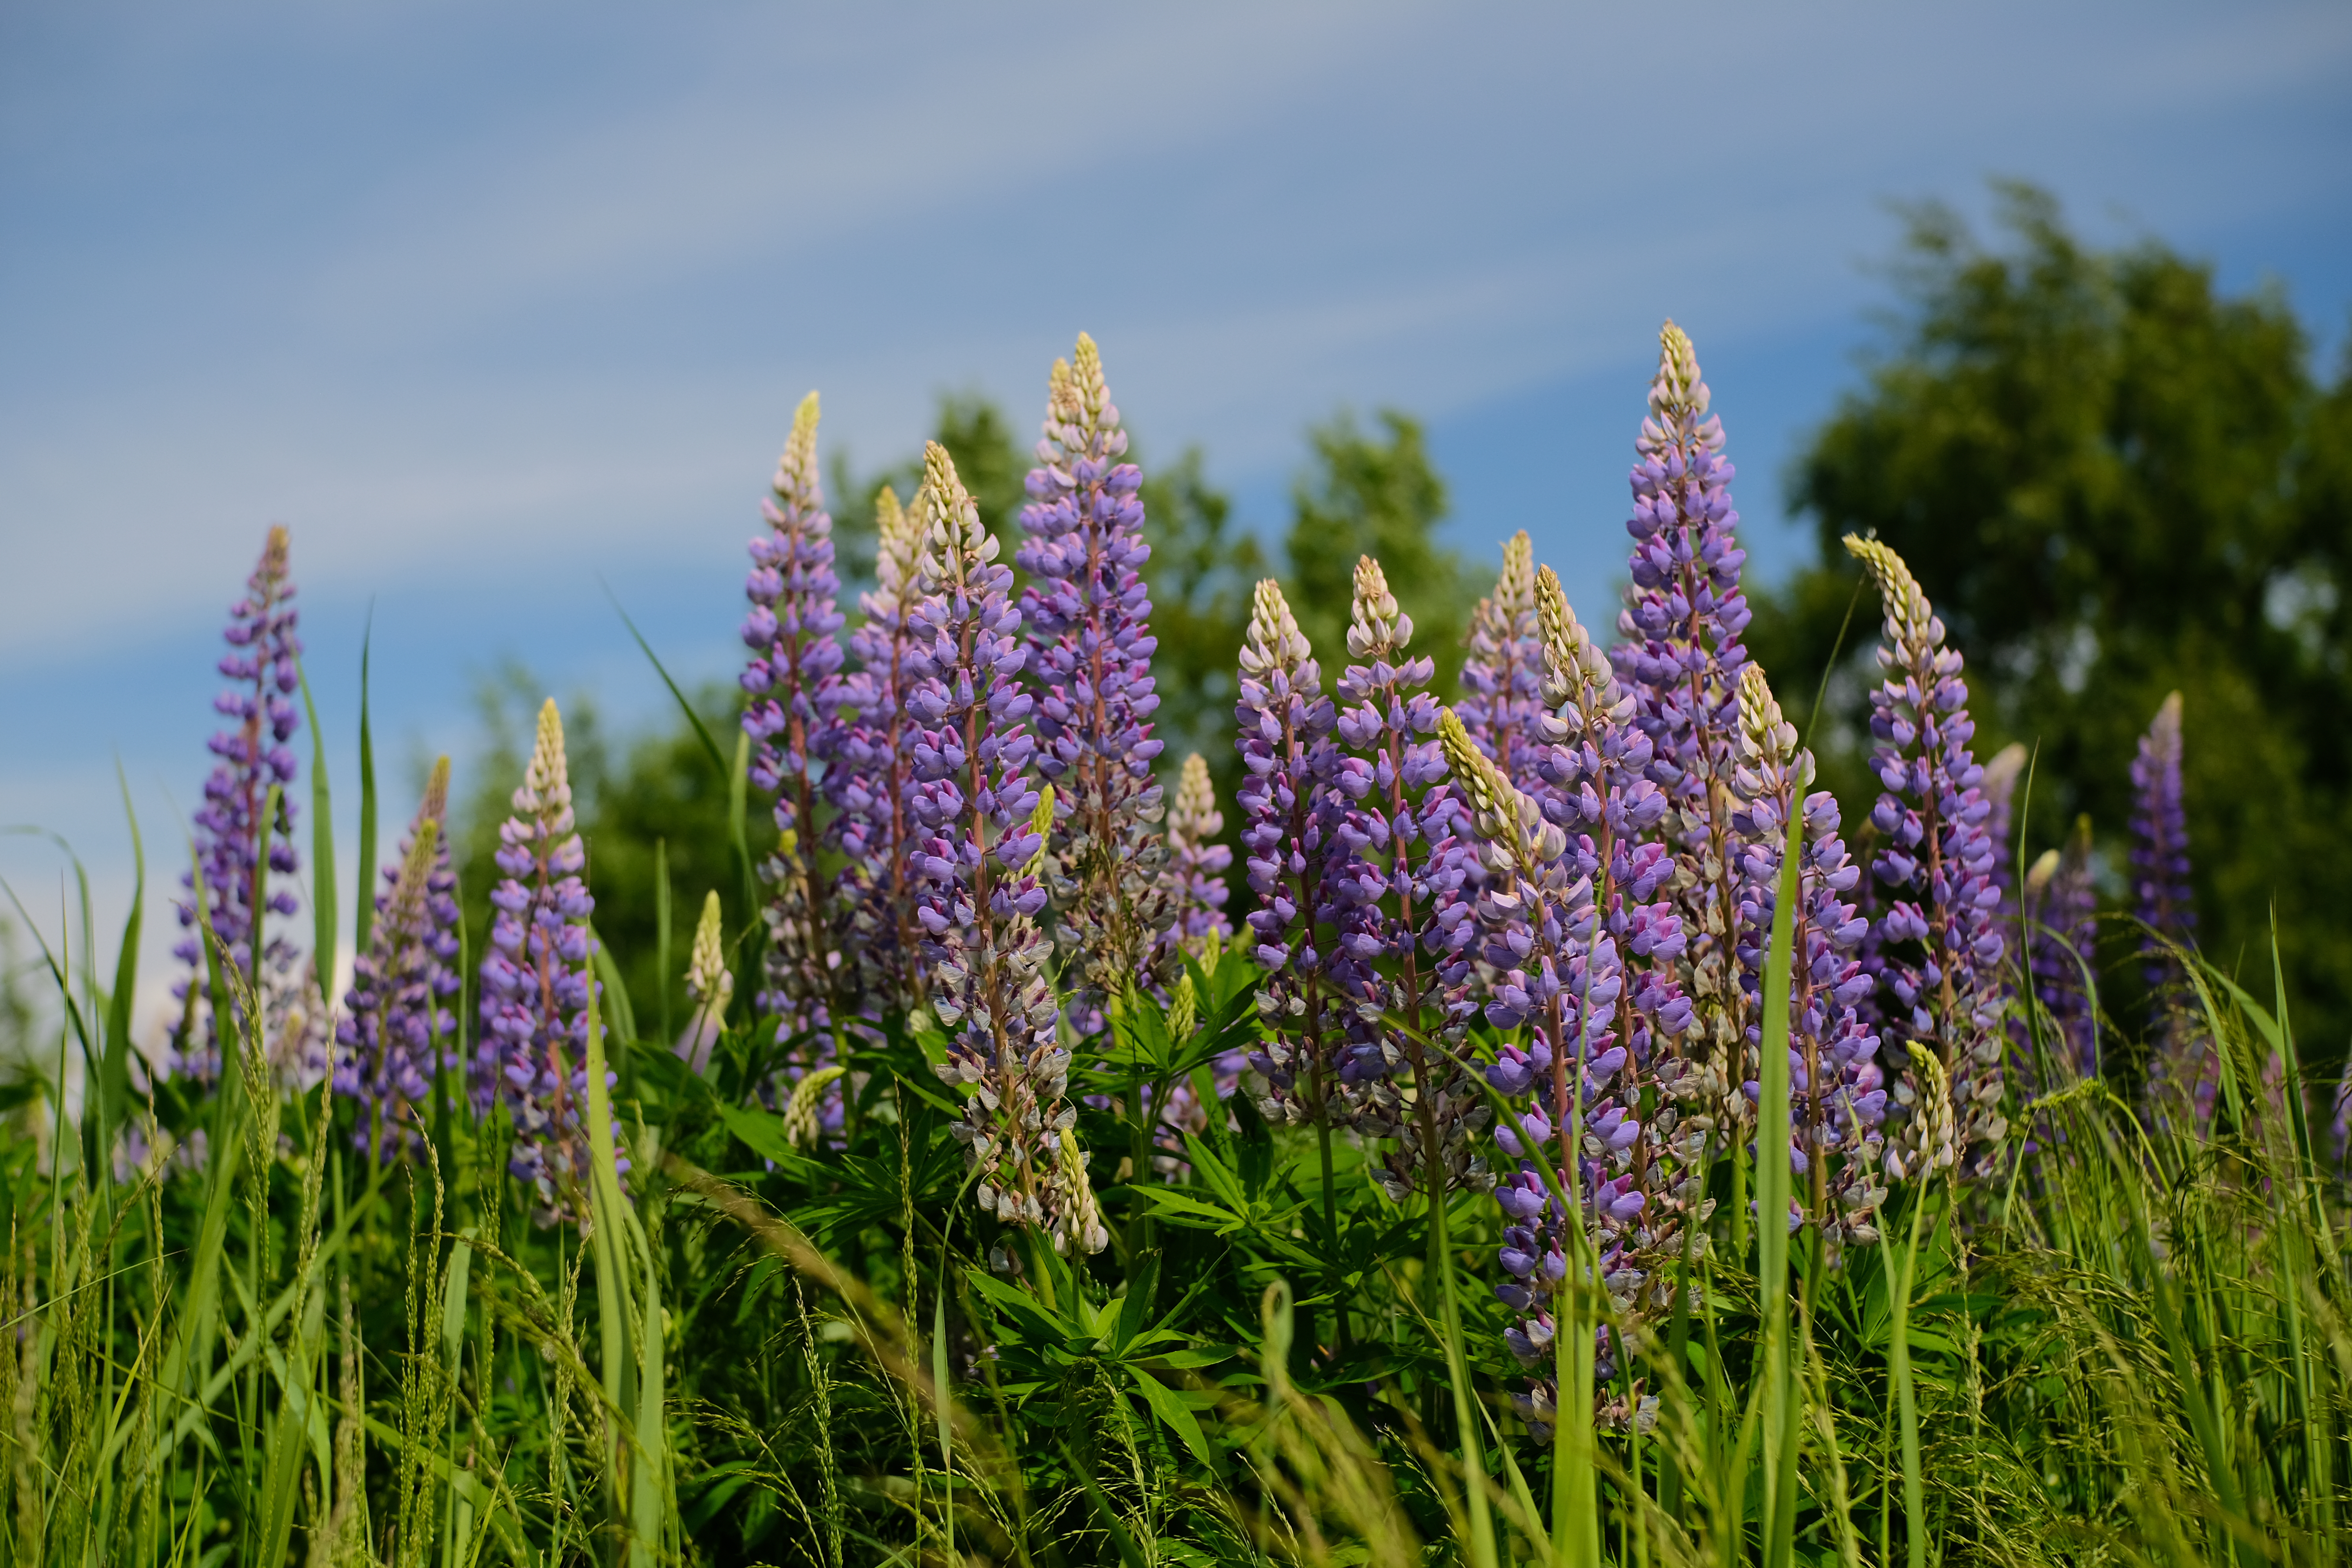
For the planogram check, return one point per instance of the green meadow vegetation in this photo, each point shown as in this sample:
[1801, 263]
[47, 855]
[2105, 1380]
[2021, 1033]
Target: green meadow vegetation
[1341, 1150]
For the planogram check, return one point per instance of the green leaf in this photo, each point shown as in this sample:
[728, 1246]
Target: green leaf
[1171, 1412]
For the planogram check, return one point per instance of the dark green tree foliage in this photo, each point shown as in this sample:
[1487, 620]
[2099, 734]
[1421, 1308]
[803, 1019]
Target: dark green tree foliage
[1375, 493]
[2113, 481]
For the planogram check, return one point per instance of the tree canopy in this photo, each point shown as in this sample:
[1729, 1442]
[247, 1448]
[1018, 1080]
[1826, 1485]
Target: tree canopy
[2113, 481]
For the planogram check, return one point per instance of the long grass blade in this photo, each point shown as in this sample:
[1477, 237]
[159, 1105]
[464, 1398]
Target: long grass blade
[322, 852]
[363, 899]
[1773, 1178]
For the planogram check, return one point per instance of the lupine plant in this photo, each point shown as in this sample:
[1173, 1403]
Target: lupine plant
[1025, 1207]
[1940, 938]
[536, 993]
[243, 830]
[399, 1035]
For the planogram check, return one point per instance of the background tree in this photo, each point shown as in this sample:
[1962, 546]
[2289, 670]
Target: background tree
[2113, 481]
[1375, 493]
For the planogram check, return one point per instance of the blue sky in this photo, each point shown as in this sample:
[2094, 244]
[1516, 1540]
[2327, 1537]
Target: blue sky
[486, 302]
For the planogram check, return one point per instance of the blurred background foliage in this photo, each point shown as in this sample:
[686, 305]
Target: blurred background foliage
[2113, 478]
[2113, 481]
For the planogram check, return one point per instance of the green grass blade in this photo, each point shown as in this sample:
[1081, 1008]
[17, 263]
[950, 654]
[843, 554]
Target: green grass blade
[322, 852]
[649, 1486]
[363, 900]
[606, 1208]
[944, 1408]
[114, 1074]
[1772, 1197]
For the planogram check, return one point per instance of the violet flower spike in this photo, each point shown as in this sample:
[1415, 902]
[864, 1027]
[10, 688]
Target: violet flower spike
[1940, 935]
[1390, 818]
[1837, 1090]
[1284, 735]
[535, 989]
[1680, 657]
[239, 851]
[1197, 863]
[1090, 648]
[871, 771]
[1502, 678]
[2062, 909]
[793, 679]
[398, 1030]
[2183, 1071]
[975, 865]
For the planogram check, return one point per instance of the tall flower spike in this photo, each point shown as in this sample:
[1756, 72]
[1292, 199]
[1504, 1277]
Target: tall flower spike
[1680, 657]
[2062, 903]
[1197, 863]
[1940, 936]
[1642, 1139]
[535, 990]
[872, 769]
[709, 986]
[1284, 736]
[397, 1029]
[1838, 1095]
[2184, 1075]
[980, 897]
[1090, 648]
[1397, 863]
[237, 851]
[1502, 678]
[793, 682]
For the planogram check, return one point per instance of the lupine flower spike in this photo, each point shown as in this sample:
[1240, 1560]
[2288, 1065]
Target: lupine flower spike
[709, 986]
[1940, 936]
[1502, 680]
[1391, 820]
[1285, 739]
[974, 866]
[535, 989]
[1090, 648]
[868, 778]
[1680, 658]
[2182, 1069]
[1197, 863]
[1838, 1095]
[1589, 967]
[237, 851]
[2062, 905]
[793, 682]
[397, 1029]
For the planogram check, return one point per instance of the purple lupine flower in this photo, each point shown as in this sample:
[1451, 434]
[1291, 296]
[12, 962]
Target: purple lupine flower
[1396, 860]
[1680, 658]
[2183, 1069]
[1578, 949]
[1284, 736]
[1837, 1098]
[871, 770]
[398, 1029]
[1502, 678]
[1940, 935]
[1197, 863]
[975, 864]
[2062, 903]
[1090, 648]
[231, 836]
[535, 989]
[792, 719]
